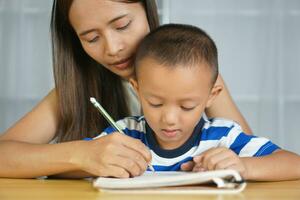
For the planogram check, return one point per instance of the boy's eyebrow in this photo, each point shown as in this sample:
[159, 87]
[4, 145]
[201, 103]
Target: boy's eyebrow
[154, 96]
[111, 21]
[190, 98]
[193, 98]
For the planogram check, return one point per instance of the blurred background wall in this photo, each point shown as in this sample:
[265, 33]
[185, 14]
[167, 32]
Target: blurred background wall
[259, 57]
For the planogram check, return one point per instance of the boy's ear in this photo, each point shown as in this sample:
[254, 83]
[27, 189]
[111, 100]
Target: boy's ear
[134, 84]
[215, 91]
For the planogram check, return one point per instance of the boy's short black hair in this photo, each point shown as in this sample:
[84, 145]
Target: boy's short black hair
[179, 44]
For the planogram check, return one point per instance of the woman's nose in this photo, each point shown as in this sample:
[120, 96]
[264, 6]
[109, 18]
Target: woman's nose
[114, 45]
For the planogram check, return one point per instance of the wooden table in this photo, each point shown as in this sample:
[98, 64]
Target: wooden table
[12, 189]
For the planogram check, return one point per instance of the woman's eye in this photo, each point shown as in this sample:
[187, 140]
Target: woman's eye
[155, 105]
[187, 108]
[95, 39]
[123, 27]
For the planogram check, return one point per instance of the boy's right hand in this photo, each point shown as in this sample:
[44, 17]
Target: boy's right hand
[216, 158]
[115, 155]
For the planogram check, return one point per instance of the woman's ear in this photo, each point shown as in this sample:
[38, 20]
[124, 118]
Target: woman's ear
[134, 84]
[215, 91]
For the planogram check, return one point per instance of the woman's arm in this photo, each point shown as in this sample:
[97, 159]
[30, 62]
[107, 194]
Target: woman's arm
[25, 152]
[27, 160]
[224, 106]
[38, 126]
[24, 149]
[115, 155]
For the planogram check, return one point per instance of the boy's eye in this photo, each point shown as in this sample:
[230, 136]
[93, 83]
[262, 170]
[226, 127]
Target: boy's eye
[124, 27]
[187, 108]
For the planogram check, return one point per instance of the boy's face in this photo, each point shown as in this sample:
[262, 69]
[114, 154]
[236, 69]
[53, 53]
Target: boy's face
[173, 99]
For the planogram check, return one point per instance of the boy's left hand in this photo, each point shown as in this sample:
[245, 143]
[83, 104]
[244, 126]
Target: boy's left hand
[214, 159]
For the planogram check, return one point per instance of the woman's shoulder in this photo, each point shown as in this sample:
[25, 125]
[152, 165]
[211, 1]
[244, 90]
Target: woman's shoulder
[132, 99]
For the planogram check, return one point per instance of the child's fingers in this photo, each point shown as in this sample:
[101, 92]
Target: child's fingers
[212, 151]
[225, 163]
[239, 168]
[198, 168]
[198, 159]
[188, 166]
[211, 160]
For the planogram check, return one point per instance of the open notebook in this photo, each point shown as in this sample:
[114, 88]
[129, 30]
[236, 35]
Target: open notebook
[210, 182]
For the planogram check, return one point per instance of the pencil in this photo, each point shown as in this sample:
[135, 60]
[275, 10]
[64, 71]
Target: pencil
[110, 120]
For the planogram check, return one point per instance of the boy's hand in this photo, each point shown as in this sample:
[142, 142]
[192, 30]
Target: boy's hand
[214, 159]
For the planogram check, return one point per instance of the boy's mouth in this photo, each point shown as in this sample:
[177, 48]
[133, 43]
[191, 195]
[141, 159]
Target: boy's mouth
[170, 132]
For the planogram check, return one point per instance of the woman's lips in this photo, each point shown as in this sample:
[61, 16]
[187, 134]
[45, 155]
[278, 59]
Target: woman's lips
[122, 64]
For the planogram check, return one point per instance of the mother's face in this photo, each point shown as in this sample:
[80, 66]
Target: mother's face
[110, 31]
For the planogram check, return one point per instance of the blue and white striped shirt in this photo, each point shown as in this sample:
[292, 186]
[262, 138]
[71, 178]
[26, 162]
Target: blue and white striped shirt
[207, 134]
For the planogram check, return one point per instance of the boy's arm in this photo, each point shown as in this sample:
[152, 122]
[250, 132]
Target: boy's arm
[280, 165]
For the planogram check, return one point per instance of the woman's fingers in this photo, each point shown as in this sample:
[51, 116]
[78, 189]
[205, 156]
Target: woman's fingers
[113, 171]
[135, 145]
[128, 165]
[121, 151]
[130, 160]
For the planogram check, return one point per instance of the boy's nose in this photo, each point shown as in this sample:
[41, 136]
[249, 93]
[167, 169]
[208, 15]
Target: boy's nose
[170, 118]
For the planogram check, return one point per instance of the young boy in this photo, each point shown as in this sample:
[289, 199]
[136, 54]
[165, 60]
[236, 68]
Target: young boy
[176, 71]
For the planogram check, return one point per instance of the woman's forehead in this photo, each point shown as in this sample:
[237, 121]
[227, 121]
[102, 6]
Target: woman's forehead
[83, 12]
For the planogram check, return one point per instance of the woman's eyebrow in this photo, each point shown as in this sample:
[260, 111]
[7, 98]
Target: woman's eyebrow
[87, 31]
[111, 21]
[117, 18]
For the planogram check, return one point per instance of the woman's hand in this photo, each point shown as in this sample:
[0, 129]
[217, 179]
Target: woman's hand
[115, 155]
[215, 159]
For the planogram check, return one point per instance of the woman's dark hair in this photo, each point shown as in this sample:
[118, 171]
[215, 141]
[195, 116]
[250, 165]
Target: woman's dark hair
[78, 77]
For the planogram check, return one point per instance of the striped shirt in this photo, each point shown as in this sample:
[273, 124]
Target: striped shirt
[207, 134]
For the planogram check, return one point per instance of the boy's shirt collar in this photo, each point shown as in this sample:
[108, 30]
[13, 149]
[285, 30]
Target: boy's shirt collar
[194, 139]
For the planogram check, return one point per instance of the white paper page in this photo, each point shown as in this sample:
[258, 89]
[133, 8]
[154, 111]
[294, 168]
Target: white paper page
[161, 179]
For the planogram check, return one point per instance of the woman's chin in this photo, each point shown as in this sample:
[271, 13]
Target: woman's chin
[126, 73]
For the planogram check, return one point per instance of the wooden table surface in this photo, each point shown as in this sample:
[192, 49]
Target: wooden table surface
[12, 189]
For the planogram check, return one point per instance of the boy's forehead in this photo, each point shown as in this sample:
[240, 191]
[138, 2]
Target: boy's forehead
[149, 63]
[179, 80]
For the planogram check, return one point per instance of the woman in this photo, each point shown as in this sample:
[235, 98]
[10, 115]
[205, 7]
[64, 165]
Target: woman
[93, 45]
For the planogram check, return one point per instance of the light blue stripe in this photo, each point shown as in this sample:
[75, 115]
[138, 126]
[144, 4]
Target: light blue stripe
[266, 149]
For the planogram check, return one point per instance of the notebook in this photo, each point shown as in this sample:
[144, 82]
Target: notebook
[210, 182]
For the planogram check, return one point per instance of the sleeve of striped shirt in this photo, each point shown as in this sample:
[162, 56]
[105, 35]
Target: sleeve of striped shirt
[124, 124]
[248, 145]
